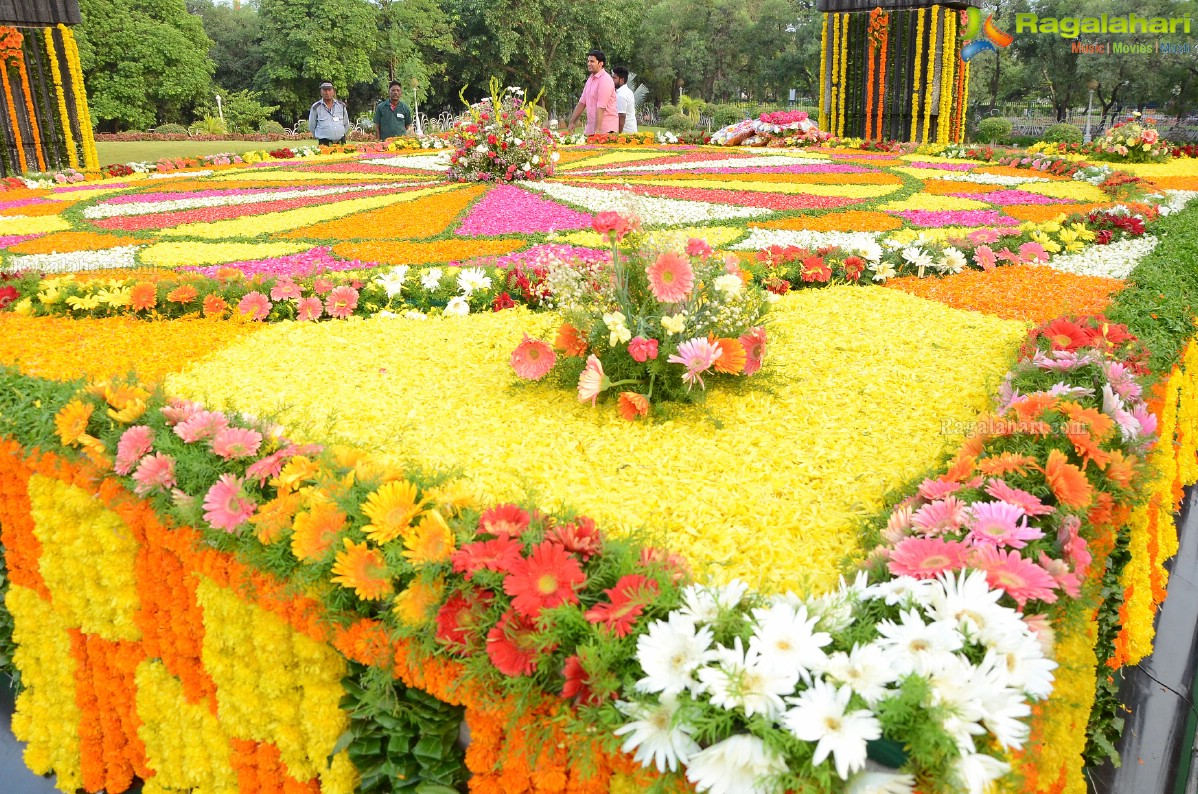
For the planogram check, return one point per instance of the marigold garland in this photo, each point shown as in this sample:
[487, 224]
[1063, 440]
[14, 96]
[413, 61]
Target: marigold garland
[916, 81]
[60, 93]
[12, 114]
[91, 160]
[823, 74]
[844, 72]
[944, 118]
[934, 44]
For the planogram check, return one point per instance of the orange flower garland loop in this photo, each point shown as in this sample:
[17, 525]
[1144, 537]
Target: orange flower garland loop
[11, 43]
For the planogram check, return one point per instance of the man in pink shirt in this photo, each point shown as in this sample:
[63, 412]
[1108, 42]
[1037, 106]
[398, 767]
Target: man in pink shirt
[598, 98]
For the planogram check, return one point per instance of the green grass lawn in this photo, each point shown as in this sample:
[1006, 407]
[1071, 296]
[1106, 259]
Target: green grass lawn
[143, 151]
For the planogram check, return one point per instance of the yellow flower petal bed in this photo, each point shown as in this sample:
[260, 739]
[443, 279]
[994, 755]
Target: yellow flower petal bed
[66, 349]
[181, 254]
[844, 191]
[611, 158]
[1071, 191]
[764, 483]
[933, 203]
[716, 236]
[36, 224]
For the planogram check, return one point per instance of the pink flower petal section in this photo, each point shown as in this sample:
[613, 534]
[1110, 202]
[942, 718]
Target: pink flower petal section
[509, 210]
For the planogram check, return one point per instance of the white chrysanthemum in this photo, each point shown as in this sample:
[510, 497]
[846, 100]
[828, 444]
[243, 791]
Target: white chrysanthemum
[431, 278]
[833, 612]
[1028, 669]
[786, 638]
[657, 734]
[904, 590]
[882, 270]
[457, 307]
[703, 603]
[870, 251]
[953, 262]
[740, 764]
[669, 654]
[915, 646]
[821, 715]
[967, 600]
[471, 279]
[748, 681]
[917, 257]
[977, 771]
[866, 670]
[871, 782]
[392, 281]
[729, 284]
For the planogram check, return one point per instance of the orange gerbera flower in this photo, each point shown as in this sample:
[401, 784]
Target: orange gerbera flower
[1120, 469]
[416, 605]
[71, 421]
[215, 306]
[316, 530]
[1086, 445]
[1099, 423]
[1006, 463]
[633, 405]
[275, 516]
[95, 451]
[363, 570]
[961, 467]
[391, 510]
[570, 341]
[432, 541]
[1034, 405]
[128, 401]
[144, 295]
[297, 471]
[1067, 481]
[182, 294]
[732, 360]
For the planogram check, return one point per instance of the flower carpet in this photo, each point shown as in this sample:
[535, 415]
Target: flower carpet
[377, 492]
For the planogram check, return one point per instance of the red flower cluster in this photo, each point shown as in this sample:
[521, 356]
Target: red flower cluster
[1110, 222]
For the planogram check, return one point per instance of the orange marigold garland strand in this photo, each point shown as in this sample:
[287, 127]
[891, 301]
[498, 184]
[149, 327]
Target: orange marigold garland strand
[16, 127]
[884, 36]
[32, 111]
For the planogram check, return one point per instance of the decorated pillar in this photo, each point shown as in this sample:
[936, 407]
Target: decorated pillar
[45, 123]
[893, 71]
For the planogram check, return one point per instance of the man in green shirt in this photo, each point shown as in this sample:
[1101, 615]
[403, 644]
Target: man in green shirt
[392, 116]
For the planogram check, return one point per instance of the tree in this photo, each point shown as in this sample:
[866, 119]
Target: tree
[414, 37]
[236, 42]
[307, 41]
[145, 62]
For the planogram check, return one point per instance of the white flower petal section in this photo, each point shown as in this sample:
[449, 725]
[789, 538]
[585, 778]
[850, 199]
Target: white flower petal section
[652, 211]
[427, 162]
[1116, 260]
[760, 161]
[180, 175]
[75, 261]
[990, 179]
[764, 238]
[1177, 200]
[122, 209]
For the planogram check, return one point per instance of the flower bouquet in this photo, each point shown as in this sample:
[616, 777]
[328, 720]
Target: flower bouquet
[659, 323]
[500, 140]
[1135, 140]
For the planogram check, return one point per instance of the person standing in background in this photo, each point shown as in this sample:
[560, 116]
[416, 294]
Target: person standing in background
[598, 98]
[392, 116]
[625, 100]
[328, 119]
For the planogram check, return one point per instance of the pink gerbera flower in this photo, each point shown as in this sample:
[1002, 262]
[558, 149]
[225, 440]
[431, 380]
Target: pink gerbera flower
[532, 359]
[984, 256]
[1021, 579]
[285, 289]
[999, 523]
[205, 424]
[1073, 546]
[322, 286]
[341, 302]
[309, 309]
[979, 236]
[937, 489]
[154, 471]
[937, 518]
[670, 277]
[1033, 252]
[592, 381]
[697, 355]
[1025, 501]
[697, 247]
[255, 304]
[180, 411]
[226, 505]
[236, 442]
[265, 468]
[1066, 579]
[753, 342]
[135, 443]
[925, 558]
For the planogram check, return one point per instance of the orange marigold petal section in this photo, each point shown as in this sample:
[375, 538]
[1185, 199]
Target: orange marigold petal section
[70, 242]
[22, 549]
[1022, 292]
[37, 210]
[1175, 182]
[1023, 173]
[944, 187]
[112, 752]
[871, 178]
[389, 253]
[431, 217]
[848, 221]
[61, 348]
[260, 770]
[1039, 213]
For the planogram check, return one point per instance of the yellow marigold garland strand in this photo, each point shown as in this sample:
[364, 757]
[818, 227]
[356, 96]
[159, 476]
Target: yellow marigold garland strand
[844, 72]
[834, 86]
[91, 160]
[916, 82]
[12, 114]
[60, 92]
[930, 78]
[944, 119]
[33, 125]
[823, 76]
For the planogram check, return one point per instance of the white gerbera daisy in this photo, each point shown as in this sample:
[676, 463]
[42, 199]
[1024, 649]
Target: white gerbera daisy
[740, 764]
[977, 771]
[866, 670]
[702, 604]
[786, 638]
[657, 734]
[431, 278]
[471, 279]
[392, 281]
[882, 270]
[821, 714]
[669, 654]
[748, 681]
[457, 307]
[877, 782]
[953, 262]
[915, 646]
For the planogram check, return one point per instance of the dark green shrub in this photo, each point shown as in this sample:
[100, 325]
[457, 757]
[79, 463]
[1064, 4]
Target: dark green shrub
[1063, 133]
[994, 130]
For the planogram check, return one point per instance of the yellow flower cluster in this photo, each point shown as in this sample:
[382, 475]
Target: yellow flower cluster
[46, 717]
[274, 684]
[764, 482]
[87, 559]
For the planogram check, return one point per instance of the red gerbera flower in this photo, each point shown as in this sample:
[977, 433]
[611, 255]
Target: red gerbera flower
[491, 555]
[513, 645]
[579, 536]
[815, 269]
[458, 620]
[1066, 335]
[853, 266]
[628, 600]
[503, 520]
[578, 682]
[546, 579]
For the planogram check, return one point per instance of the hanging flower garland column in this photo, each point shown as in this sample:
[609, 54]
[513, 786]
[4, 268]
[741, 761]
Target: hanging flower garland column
[32, 111]
[879, 22]
[823, 76]
[932, 75]
[916, 82]
[10, 47]
[844, 72]
[944, 119]
[834, 96]
[91, 160]
[60, 93]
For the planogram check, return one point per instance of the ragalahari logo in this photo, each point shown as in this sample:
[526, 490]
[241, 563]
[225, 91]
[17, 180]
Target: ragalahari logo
[981, 36]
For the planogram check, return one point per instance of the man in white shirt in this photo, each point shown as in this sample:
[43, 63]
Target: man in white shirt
[625, 100]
